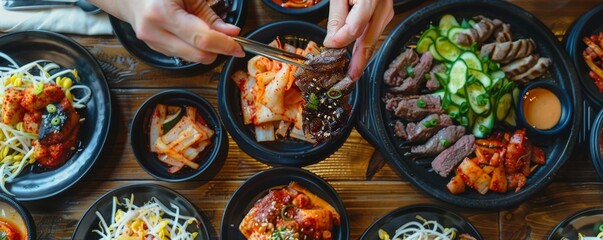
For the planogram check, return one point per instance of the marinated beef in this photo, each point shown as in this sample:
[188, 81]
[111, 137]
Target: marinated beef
[326, 92]
[452, 156]
[399, 130]
[440, 141]
[479, 33]
[413, 82]
[421, 131]
[433, 83]
[414, 108]
[396, 72]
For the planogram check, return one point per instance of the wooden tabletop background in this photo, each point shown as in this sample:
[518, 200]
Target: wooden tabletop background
[575, 187]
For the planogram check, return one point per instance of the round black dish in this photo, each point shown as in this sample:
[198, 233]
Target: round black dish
[566, 109]
[282, 152]
[317, 11]
[374, 123]
[586, 222]
[211, 159]
[27, 219]
[126, 35]
[404, 5]
[396, 218]
[142, 193]
[588, 24]
[258, 185]
[28, 46]
[595, 143]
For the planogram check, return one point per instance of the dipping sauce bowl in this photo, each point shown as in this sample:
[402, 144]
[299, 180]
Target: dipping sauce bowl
[544, 108]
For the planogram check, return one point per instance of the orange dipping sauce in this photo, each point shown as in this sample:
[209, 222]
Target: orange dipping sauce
[296, 3]
[541, 108]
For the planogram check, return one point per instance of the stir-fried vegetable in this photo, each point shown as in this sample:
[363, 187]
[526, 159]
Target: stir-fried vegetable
[153, 219]
[16, 137]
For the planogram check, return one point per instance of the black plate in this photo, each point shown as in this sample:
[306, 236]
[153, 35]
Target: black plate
[282, 152]
[142, 193]
[396, 218]
[588, 24]
[30, 225]
[211, 159]
[586, 222]
[404, 5]
[126, 35]
[375, 122]
[595, 151]
[28, 46]
[258, 185]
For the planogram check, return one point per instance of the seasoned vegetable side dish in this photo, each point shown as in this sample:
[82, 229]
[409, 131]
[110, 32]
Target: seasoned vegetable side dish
[178, 134]
[593, 56]
[152, 220]
[40, 118]
[424, 229]
[290, 212]
[453, 97]
[12, 226]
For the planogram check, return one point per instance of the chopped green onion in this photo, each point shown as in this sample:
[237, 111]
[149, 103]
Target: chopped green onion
[313, 102]
[284, 212]
[493, 66]
[483, 129]
[55, 121]
[601, 228]
[431, 123]
[464, 108]
[471, 79]
[465, 121]
[482, 100]
[465, 24]
[453, 114]
[51, 108]
[421, 103]
[410, 71]
[38, 88]
[334, 93]
[427, 76]
[445, 143]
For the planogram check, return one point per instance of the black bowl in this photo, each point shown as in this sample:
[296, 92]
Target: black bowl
[566, 109]
[586, 222]
[258, 185]
[29, 46]
[142, 193]
[18, 215]
[210, 160]
[317, 11]
[374, 124]
[595, 144]
[588, 24]
[396, 218]
[127, 36]
[282, 152]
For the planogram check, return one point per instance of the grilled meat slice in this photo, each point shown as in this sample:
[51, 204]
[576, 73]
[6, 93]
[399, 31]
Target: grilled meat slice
[421, 131]
[503, 33]
[413, 82]
[520, 66]
[396, 72]
[326, 94]
[58, 126]
[479, 33]
[506, 52]
[399, 130]
[452, 156]
[433, 83]
[440, 141]
[412, 109]
[535, 71]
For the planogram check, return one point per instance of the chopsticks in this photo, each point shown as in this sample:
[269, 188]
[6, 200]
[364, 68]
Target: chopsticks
[271, 52]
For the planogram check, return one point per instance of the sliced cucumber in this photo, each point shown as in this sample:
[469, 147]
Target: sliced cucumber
[442, 78]
[516, 96]
[458, 100]
[423, 44]
[454, 112]
[503, 105]
[481, 77]
[435, 53]
[440, 93]
[454, 32]
[458, 76]
[446, 22]
[431, 32]
[510, 119]
[478, 98]
[483, 125]
[446, 49]
[471, 60]
[171, 120]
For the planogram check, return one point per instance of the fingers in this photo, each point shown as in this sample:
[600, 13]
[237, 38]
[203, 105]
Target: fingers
[157, 40]
[356, 22]
[365, 45]
[338, 12]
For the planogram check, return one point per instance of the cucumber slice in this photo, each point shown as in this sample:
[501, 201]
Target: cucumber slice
[446, 49]
[454, 112]
[431, 32]
[457, 100]
[471, 116]
[483, 125]
[442, 78]
[454, 32]
[440, 93]
[510, 119]
[478, 99]
[481, 77]
[516, 96]
[423, 44]
[471, 60]
[503, 105]
[172, 120]
[446, 22]
[458, 76]
[435, 53]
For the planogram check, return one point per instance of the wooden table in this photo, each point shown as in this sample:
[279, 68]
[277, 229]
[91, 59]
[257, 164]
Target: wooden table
[575, 187]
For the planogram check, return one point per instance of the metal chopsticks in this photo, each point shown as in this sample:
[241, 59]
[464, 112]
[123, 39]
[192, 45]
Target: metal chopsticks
[271, 52]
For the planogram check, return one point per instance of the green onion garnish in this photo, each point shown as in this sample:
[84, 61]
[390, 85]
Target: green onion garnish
[51, 108]
[444, 142]
[334, 93]
[55, 121]
[421, 103]
[410, 71]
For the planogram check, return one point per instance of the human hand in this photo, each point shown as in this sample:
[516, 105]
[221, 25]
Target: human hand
[360, 20]
[188, 29]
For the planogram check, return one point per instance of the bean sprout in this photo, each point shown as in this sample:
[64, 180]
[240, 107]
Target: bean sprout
[423, 230]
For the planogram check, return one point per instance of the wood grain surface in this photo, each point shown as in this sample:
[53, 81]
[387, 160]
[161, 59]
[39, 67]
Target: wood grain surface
[575, 187]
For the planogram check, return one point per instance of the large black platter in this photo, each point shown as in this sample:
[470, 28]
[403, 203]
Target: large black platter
[396, 218]
[374, 121]
[258, 185]
[126, 35]
[142, 193]
[284, 151]
[587, 222]
[29, 46]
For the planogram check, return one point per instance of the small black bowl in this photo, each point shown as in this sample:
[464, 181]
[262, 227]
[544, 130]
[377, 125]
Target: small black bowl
[211, 159]
[586, 222]
[317, 11]
[258, 185]
[566, 108]
[595, 144]
[281, 152]
[18, 214]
